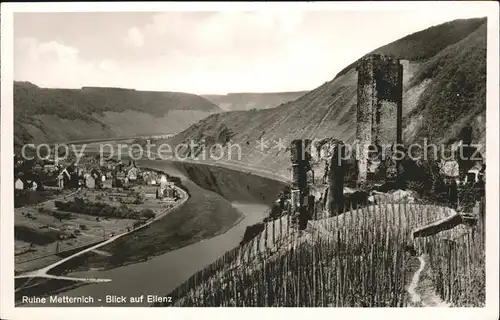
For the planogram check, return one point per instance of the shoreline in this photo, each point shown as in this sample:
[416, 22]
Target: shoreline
[75, 284]
[223, 231]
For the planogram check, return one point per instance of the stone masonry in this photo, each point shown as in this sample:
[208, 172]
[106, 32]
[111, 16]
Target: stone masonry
[379, 106]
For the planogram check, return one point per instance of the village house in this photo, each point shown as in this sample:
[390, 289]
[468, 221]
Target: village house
[109, 175]
[163, 180]
[120, 175]
[148, 194]
[19, 184]
[27, 185]
[96, 174]
[107, 184]
[169, 192]
[163, 184]
[49, 168]
[37, 167]
[89, 181]
[132, 174]
[63, 178]
[450, 170]
[474, 175]
[60, 181]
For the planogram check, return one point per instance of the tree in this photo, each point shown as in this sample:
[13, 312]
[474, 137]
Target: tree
[466, 134]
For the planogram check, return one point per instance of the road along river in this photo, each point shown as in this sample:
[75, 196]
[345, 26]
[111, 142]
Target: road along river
[161, 274]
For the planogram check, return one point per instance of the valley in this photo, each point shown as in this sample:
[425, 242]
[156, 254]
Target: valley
[261, 226]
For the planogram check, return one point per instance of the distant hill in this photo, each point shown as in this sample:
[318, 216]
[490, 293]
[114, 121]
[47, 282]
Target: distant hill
[248, 101]
[444, 89]
[43, 115]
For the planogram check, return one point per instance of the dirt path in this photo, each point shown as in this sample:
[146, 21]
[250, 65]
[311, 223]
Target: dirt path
[412, 288]
[422, 293]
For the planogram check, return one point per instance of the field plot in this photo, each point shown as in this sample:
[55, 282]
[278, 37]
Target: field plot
[48, 231]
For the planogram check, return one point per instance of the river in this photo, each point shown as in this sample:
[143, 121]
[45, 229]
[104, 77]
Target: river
[162, 274]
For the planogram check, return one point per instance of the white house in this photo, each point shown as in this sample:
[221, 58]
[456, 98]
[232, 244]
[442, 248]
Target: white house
[472, 175]
[163, 179]
[163, 182]
[60, 177]
[132, 174]
[89, 181]
[450, 170]
[19, 184]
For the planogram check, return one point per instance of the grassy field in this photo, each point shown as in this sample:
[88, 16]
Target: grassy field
[42, 230]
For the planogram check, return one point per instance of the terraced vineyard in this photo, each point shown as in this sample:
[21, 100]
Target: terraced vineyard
[362, 258]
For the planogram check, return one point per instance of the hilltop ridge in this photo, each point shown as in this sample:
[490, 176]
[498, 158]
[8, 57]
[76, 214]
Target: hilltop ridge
[253, 100]
[43, 114]
[444, 88]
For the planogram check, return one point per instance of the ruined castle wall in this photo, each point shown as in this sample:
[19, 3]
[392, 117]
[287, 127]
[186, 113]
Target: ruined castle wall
[379, 107]
[388, 102]
[336, 180]
[364, 112]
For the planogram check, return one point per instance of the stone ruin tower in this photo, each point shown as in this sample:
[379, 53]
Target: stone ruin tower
[379, 106]
[300, 156]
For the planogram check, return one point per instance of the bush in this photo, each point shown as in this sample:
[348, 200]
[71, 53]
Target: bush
[35, 236]
[61, 215]
[417, 186]
[148, 213]
[97, 209]
[138, 200]
[467, 197]
[26, 198]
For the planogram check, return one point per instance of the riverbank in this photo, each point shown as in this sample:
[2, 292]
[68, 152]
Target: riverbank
[207, 215]
[143, 277]
[48, 279]
[182, 226]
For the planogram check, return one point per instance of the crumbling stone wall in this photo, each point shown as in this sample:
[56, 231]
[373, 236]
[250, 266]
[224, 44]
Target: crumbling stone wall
[336, 180]
[300, 156]
[364, 113]
[389, 87]
[379, 106]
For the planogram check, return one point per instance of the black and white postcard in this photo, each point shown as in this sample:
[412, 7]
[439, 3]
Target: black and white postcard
[162, 158]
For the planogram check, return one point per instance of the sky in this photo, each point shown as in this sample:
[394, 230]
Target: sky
[204, 52]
